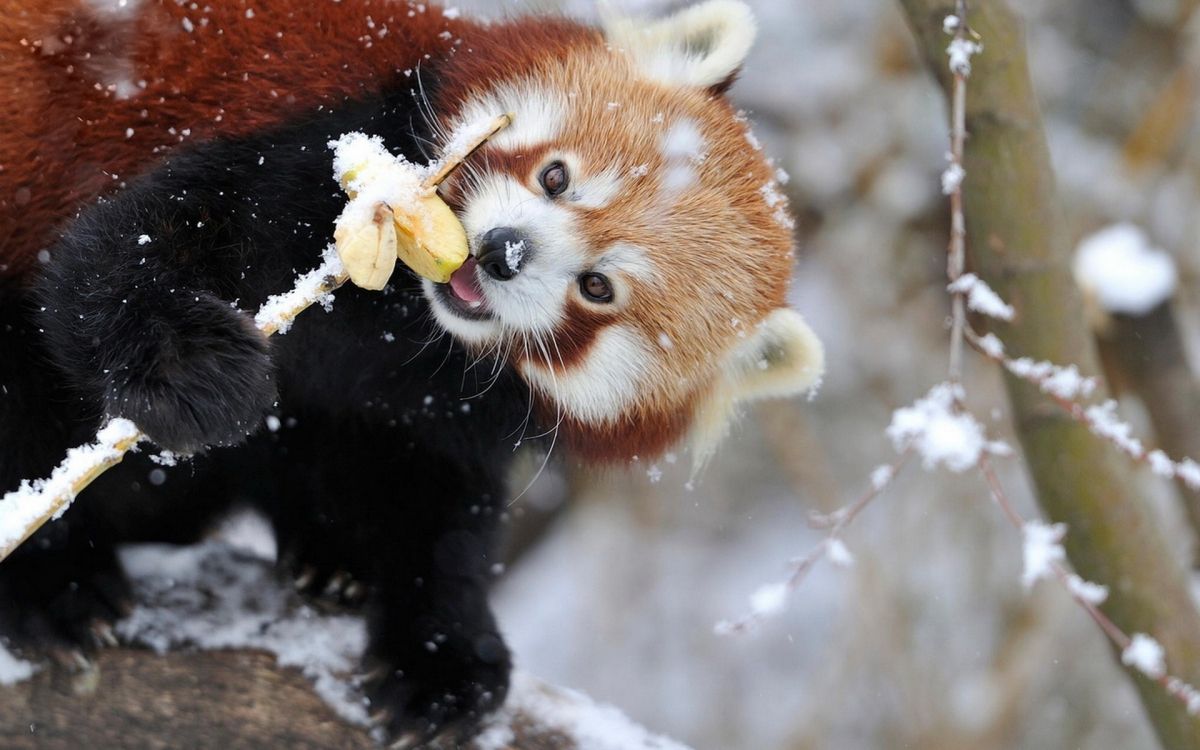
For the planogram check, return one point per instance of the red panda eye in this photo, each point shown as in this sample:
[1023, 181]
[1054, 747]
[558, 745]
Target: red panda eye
[554, 179]
[595, 287]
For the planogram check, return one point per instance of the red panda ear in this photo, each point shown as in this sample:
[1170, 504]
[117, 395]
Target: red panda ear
[703, 46]
[782, 357]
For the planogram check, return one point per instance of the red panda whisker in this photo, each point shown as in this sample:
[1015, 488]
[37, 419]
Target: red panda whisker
[553, 432]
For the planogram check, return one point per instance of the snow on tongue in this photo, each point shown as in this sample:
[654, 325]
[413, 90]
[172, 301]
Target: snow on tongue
[465, 285]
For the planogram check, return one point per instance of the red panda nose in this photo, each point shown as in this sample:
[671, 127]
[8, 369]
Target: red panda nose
[502, 252]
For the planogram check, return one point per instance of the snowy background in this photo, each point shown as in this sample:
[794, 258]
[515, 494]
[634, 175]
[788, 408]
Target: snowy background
[928, 641]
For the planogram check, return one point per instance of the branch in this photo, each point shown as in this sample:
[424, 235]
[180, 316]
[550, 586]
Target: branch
[245, 664]
[1012, 212]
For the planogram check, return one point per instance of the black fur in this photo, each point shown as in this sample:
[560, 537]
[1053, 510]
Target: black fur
[388, 466]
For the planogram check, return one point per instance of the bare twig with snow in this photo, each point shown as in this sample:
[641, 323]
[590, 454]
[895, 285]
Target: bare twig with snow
[961, 48]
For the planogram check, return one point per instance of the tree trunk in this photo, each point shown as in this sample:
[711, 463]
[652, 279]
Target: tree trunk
[1017, 246]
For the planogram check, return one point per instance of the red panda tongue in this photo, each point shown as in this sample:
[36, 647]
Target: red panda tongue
[465, 284]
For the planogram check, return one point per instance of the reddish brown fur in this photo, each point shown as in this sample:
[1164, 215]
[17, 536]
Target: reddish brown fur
[64, 140]
[723, 259]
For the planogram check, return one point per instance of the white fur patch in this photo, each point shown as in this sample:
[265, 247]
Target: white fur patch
[601, 388]
[631, 260]
[534, 299]
[597, 190]
[698, 46]
[539, 114]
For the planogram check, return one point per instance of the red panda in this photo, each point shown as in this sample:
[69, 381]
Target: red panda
[164, 166]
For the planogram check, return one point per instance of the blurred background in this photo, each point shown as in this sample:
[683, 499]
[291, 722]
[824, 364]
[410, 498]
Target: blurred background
[928, 641]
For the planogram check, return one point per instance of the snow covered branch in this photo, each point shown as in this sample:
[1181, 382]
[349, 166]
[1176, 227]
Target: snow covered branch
[1097, 519]
[246, 663]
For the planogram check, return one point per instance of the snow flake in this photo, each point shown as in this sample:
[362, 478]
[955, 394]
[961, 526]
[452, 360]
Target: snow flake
[144, 239]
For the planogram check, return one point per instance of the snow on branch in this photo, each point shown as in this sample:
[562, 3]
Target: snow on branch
[980, 297]
[941, 429]
[1065, 385]
[770, 599]
[1123, 271]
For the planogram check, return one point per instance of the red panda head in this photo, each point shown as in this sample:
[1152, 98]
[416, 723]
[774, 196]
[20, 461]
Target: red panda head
[631, 251]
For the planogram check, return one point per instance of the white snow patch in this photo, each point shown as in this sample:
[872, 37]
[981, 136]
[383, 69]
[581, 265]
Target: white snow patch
[1042, 550]
[591, 725]
[942, 435]
[1092, 593]
[881, 475]
[769, 599]
[960, 52]
[212, 596]
[144, 239]
[1105, 423]
[309, 289]
[21, 508]
[514, 253]
[1124, 271]
[1064, 382]
[838, 554]
[12, 669]
[952, 178]
[980, 297]
[1145, 655]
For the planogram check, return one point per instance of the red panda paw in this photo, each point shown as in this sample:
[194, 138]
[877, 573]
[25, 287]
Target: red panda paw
[437, 703]
[203, 379]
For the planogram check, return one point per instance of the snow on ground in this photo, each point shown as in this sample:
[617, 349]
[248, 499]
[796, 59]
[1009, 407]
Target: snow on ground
[13, 669]
[224, 594]
[214, 596]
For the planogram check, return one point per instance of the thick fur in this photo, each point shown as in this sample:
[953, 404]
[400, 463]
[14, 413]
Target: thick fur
[383, 468]
[165, 169]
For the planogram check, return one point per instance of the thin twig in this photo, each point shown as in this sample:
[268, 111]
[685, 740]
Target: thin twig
[956, 255]
[1177, 688]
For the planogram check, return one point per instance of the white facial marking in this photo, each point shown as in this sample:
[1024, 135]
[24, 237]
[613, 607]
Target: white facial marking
[630, 260]
[554, 252]
[684, 150]
[606, 383]
[596, 191]
[539, 114]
